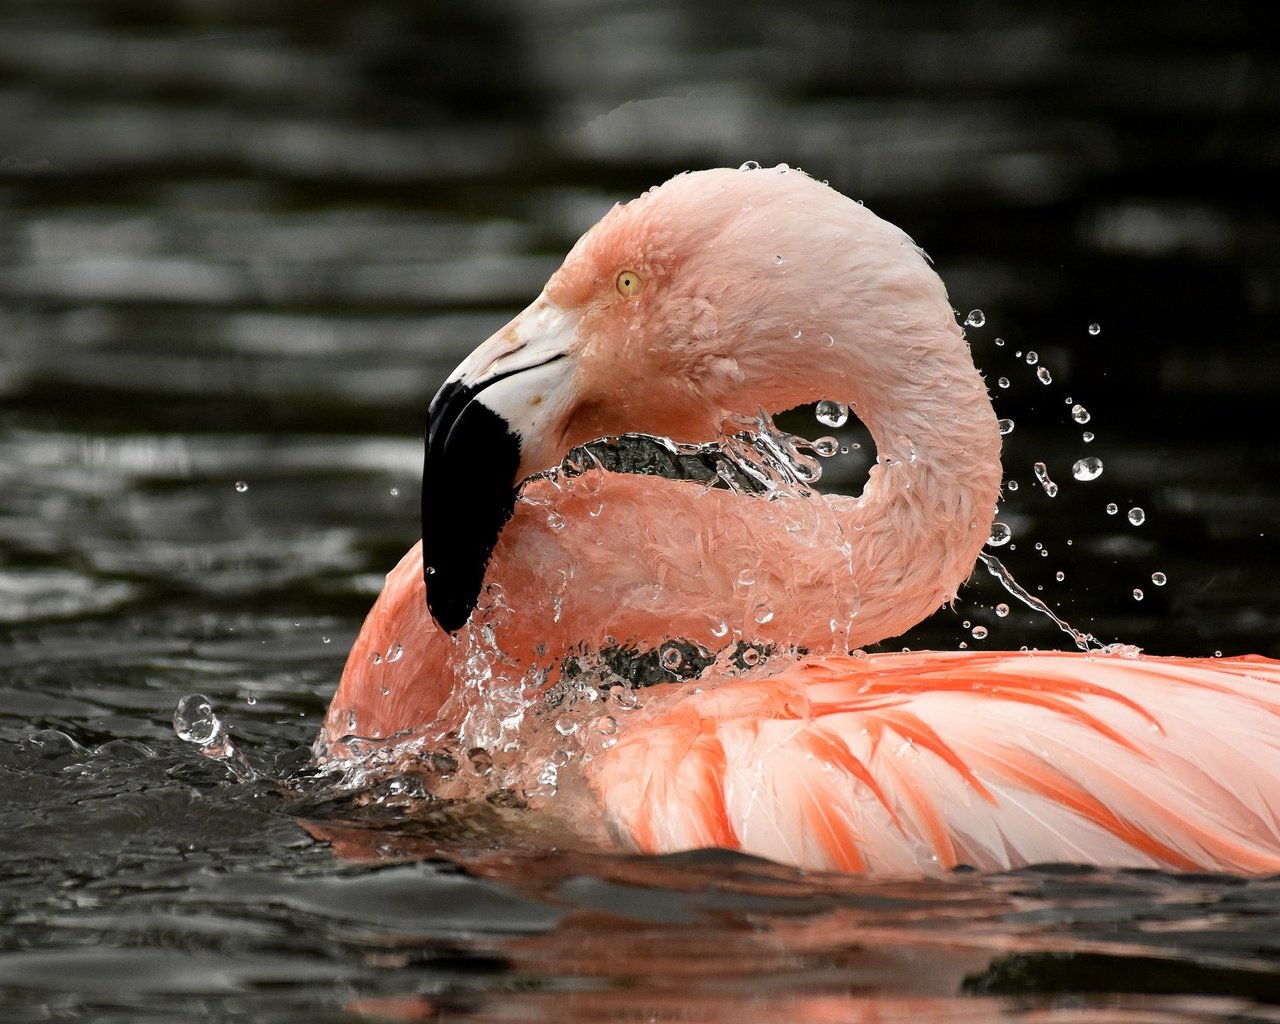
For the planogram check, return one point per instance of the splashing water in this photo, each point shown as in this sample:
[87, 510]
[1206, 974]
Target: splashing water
[1084, 641]
[1000, 535]
[195, 722]
[1086, 469]
[480, 745]
[832, 414]
[1042, 478]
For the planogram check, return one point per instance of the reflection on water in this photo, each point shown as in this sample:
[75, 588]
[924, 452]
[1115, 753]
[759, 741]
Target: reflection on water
[240, 248]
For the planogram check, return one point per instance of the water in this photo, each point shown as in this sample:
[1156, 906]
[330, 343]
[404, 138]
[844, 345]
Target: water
[240, 248]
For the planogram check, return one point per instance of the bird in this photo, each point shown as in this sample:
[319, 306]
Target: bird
[719, 296]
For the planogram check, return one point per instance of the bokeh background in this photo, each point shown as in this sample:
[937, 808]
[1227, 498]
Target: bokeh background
[242, 244]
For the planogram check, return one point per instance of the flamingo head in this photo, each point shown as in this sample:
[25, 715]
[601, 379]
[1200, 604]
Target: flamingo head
[714, 295]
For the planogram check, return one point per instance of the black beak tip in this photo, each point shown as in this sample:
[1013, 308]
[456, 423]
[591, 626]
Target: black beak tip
[468, 493]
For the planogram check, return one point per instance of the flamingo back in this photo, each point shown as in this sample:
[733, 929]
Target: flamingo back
[902, 763]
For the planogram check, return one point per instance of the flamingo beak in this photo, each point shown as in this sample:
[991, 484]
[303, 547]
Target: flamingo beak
[488, 427]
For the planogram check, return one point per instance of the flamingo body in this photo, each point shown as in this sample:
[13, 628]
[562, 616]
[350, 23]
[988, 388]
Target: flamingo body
[907, 763]
[716, 295]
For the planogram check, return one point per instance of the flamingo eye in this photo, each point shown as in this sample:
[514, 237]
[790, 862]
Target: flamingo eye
[628, 284]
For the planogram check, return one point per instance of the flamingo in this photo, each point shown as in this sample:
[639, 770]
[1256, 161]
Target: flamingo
[716, 295]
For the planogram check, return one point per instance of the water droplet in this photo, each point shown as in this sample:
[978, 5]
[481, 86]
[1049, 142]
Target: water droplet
[976, 318]
[1112, 508]
[764, 614]
[1012, 485]
[1080, 414]
[1136, 516]
[394, 653]
[1095, 328]
[251, 699]
[1006, 426]
[963, 645]
[1032, 358]
[671, 657]
[828, 341]
[326, 640]
[194, 720]
[999, 342]
[1059, 575]
[566, 726]
[375, 658]
[826, 447]
[979, 632]
[750, 656]
[1087, 436]
[750, 165]
[1137, 594]
[746, 577]
[779, 260]
[1042, 477]
[1089, 468]
[832, 414]
[1003, 382]
[241, 486]
[1217, 654]
[606, 725]
[1002, 610]
[1045, 376]
[797, 333]
[395, 492]
[719, 629]
[1000, 535]
[1159, 579]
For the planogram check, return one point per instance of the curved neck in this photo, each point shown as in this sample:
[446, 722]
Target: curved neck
[928, 505]
[926, 511]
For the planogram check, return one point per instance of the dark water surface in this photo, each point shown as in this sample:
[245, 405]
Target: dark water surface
[242, 244]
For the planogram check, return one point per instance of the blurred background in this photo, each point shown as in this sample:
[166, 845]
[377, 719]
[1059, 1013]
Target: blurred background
[241, 244]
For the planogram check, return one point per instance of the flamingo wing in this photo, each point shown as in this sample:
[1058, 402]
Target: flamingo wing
[904, 763]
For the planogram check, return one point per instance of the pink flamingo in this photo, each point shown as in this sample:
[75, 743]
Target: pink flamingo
[720, 293]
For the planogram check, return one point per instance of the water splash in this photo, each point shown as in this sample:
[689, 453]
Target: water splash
[195, 722]
[1084, 641]
[1042, 478]
[999, 536]
[1086, 469]
[832, 414]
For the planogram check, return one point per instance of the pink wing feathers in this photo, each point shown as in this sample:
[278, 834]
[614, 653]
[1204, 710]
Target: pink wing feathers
[908, 762]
